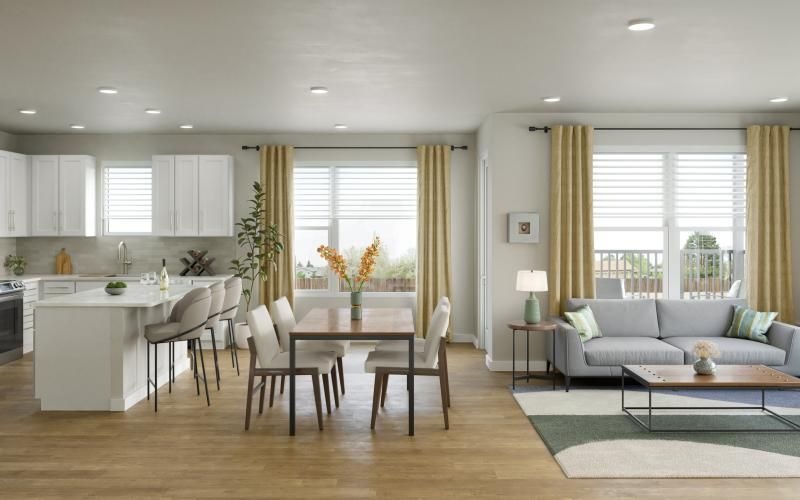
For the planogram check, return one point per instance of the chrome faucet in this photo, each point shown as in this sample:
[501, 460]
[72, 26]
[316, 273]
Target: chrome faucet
[122, 257]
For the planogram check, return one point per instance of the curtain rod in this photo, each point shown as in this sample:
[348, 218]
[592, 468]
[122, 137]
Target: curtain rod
[452, 148]
[547, 129]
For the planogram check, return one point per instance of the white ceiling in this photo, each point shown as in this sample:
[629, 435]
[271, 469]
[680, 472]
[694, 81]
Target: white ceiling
[391, 65]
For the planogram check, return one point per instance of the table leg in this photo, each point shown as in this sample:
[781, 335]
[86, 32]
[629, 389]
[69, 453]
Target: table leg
[411, 386]
[513, 360]
[553, 357]
[291, 384]
[528, 357]
[622, 383]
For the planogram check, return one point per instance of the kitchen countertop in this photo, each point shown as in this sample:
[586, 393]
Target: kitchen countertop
[102, 277]
[134, 296]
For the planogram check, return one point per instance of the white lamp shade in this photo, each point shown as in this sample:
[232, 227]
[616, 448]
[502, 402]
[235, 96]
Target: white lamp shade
[531, 281]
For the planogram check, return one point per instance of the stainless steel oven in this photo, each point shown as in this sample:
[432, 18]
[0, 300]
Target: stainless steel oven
[10, 320]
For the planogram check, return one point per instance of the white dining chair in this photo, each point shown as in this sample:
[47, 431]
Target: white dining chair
[609, 288]
[419, 346]
[385, 363]
[733, 292]
[285, 321]
[233, 296]
[186, 323]
[266, 359]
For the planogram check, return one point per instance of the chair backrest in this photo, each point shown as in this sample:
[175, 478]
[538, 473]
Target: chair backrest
[217, 298]
[437, 330]
[233, 296]
[192, 313]
[263, 333]
[733, 293]
[609, 288]
[284, 319]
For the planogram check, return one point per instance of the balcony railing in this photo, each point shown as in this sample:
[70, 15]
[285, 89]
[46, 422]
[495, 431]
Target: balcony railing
[704, 274]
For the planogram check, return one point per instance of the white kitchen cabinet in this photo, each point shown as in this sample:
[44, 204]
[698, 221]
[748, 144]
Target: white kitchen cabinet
[192, 195]
[14, 188]
[215, 186]
[63, 195]
[29, 298]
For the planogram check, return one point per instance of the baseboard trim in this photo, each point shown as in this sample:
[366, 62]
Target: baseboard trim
[464, 338]
[537, 365]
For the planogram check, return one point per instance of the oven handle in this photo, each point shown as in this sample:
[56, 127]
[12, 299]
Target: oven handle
[11, 297]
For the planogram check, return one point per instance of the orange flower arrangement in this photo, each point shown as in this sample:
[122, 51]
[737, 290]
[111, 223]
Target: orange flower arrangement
[339, 265]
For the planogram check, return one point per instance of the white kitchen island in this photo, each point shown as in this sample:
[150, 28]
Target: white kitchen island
[90, 352]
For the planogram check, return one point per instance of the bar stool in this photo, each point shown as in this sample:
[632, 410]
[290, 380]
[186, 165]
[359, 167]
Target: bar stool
[233, 296]
[186, 323]
[217, 298]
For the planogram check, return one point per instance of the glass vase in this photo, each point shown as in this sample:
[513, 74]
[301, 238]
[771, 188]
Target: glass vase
[355, 305]
[705, 366]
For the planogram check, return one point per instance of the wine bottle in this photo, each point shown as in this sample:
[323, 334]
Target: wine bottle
[163, 281]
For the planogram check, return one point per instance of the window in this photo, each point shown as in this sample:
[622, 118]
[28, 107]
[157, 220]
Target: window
[127, 199]
[670, 223]
[345, 206]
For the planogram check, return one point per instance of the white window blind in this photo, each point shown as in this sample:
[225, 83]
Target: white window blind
[375, 193]
[710, 189]
[628, 190]
[127, 200]
[312, 193]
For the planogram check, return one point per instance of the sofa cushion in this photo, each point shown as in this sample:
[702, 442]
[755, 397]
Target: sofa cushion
[732, 351]
[583, 321]
[750, 324]
[621, 317]
[695, 318]
[616, 351]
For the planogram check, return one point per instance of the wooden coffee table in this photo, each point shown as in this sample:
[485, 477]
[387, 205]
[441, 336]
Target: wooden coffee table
[727, 377]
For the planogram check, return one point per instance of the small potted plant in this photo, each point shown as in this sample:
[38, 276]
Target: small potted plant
[116, 287]
[705, 350]
[355, 280]
[15, 264]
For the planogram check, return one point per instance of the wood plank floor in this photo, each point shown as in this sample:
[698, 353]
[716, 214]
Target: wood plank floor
[188, 450]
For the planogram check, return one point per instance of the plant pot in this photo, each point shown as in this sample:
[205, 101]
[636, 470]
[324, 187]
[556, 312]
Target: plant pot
[355, 305]
[705, 366]
[241, 332]
[19, 271]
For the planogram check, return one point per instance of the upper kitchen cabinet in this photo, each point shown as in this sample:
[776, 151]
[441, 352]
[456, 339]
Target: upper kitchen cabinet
[14, 194]
[63, 195]
[193, 195]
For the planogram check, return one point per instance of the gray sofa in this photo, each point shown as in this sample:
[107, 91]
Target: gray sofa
[664, 332]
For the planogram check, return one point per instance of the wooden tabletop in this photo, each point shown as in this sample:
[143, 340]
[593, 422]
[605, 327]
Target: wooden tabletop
[756, 376]
[375, 321]
[542, 326]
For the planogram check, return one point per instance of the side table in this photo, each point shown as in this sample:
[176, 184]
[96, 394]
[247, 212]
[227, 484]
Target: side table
[540, 327]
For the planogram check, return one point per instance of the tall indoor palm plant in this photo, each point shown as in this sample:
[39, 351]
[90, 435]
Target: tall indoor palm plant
[260, 243]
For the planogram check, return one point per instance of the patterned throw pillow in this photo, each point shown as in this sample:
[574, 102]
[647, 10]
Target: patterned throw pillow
[750, 324]
[582, 319]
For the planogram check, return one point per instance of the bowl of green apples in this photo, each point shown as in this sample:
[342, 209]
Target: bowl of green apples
[116, 287]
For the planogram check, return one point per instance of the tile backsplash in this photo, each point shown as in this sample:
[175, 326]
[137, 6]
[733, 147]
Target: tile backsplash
[99, 255]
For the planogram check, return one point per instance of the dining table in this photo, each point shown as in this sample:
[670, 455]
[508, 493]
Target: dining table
[336, 324]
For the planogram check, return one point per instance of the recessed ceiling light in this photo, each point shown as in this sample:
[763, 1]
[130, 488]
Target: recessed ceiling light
[553, 98]
[340, 126]
[187, 126]
[107, 90]
[151, 111]
[77, 127]
[779, 99]
[28, 111]
[319, 90]
[641, 24]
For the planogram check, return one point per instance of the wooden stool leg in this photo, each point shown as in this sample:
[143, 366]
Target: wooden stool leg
[445, 397]
[326, 382]
[340, 365]
[376, 395]
[248, 408]
[315, 382]
[335, 386]
[446, 372]
[272, 391]
[261, 396]
[384, 387]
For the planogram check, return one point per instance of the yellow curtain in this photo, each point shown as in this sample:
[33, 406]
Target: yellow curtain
[277, 163]
[434, 278]
[769, 252]
[571, 228]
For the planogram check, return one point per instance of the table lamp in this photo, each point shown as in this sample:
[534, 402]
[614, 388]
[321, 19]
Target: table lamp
[532, 281]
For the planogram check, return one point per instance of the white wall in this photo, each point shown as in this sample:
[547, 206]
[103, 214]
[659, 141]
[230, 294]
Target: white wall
[8, 142]
[519, 162]
[138, 147]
